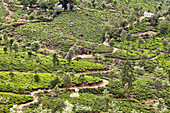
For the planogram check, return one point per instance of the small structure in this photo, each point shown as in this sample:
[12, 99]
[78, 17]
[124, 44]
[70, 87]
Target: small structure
[161, 18]
[147, 14]
[22, 20]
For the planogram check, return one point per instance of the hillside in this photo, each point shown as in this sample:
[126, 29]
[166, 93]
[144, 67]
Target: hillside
[84, 56]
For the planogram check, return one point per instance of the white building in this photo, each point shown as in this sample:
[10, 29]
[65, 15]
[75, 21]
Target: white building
[146, 14]
[161, 18]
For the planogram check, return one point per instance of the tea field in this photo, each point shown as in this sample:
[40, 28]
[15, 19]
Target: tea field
[84, 56]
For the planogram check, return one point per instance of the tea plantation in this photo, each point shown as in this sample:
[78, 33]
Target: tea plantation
[84, 56]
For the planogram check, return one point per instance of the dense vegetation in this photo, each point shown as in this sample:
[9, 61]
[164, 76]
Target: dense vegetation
[84, 56]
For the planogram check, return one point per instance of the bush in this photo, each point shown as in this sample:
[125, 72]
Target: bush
[37, 78]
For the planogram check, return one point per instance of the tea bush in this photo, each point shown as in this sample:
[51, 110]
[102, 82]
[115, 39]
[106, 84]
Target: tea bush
[23, 62]
[13, 99]
[22, 82]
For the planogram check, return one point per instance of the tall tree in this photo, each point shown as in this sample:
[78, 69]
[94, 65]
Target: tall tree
[10, 44]
[113, 72]
[55, 59]
[121, 46]
[165, 43]
[15, 47]
[70, 53]
[127, 74]
[123, 35]
[81, 79]
[140, 41]
[67, 81]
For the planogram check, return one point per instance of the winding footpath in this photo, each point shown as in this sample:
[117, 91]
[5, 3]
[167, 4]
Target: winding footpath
[35, 98]
[8, 17]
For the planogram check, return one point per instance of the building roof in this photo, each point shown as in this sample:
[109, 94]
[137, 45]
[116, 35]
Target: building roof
[148, 13]
[162, 18]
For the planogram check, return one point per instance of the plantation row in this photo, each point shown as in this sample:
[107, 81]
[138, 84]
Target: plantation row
[23, 62]
[21, 82]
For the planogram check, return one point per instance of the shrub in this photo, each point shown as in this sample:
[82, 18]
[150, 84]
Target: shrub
[37, 78]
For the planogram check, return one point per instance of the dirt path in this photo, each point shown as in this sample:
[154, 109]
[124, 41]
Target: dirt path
[106, 42]
[35, 98]
[8, 17]
[87, 72]
[138, 59]
[149, 32]
[115, 49]
[83, 56]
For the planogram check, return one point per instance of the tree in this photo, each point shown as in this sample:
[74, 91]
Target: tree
[72, 2]
[139, 70]
[37, 78]
[65, 2]
[55, 81]
[107, 36]
[67, 81]
[96, 58]
[160, 106]
[11, 74]
[123, 35]
[127, 74]
[5, 49]
[140, 41]
[164, 25]
[168, 72]
[43, 3]
[113, 72]
[0, 39]
[35, 69]
[112, 42]
[81, 79]
[32, 2]
[38, 60]
[124, 23]
[35, 46]
[165, 43]
[5, 37]
[121, 46]
[70, 53]
[10, 44]
[56, 90]
[168, 50]
[134, 37]
[153, 37]
[24, 2]
[55, 59]
[15, 47]
[59, 105]
[159, 71]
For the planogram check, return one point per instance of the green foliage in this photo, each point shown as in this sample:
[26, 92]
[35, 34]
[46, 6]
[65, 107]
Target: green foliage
[3, 13]
[37, 78]
[13, 100]
[45, 81]
[35, 46]
[55, 81]
[23, 62]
